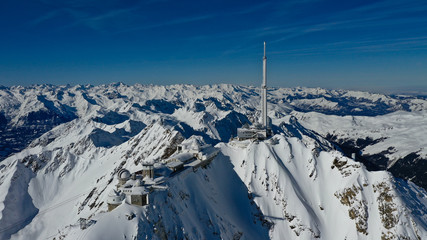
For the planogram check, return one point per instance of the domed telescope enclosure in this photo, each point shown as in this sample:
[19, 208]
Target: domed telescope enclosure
[123, 175]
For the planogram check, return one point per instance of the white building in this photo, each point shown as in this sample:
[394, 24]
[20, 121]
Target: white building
[136, 194]
[129, 188]
[115, 198]
[207, 153]
[148, 170]
[175, 166]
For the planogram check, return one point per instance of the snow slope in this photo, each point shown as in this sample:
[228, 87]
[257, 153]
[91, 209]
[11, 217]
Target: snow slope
[74, 183]
[313, 194]
[395, 141]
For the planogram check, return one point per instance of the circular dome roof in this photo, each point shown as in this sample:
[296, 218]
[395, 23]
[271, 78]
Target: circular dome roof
[123, 174]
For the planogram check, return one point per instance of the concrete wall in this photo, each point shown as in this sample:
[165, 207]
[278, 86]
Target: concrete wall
[140, 200]
[111, 207]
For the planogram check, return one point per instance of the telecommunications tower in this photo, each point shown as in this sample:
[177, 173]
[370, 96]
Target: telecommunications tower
[261, 130]
[264, 91]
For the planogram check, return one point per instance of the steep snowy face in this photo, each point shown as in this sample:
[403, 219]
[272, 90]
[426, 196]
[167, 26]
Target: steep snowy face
[59, 176]
[394, 141]
[311, 193]
[211, 203]
[69, 177]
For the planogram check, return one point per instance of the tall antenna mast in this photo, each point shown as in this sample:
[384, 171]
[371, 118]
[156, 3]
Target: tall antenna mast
[264, 51]
[264, 90]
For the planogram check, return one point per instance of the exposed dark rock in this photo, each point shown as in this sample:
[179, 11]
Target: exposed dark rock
[411, 167]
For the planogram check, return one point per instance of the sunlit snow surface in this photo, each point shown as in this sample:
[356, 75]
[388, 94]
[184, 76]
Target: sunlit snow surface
[404, 131]
[298, 188]
[294, 186]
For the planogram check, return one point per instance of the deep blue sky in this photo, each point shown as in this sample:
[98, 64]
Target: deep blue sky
[374, 45]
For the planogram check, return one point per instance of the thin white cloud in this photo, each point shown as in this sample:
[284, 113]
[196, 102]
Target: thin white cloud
[374, 15]
[99, 21]
[190, 19]
[172, 22]
[49, 15]
[251, 9]
[367, 46]
[83, 14]
[124, 20]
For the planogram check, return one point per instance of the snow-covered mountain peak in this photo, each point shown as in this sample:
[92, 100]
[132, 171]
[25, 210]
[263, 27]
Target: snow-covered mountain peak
[304, 191]
[296, 184]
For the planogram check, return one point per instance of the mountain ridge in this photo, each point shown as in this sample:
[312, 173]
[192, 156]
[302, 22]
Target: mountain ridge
[296, 184]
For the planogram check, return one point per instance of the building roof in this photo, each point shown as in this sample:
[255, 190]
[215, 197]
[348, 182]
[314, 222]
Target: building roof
[209, 150]
[183, 157]
[139, 190]
[115, 197]
[174, 164]
[134, 190]
[193, 163]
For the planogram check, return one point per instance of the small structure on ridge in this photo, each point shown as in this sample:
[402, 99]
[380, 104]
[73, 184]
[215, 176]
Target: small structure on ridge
[114, 199]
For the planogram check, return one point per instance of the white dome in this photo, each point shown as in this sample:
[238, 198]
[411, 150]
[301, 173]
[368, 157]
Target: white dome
[115, 197]
[123, 174]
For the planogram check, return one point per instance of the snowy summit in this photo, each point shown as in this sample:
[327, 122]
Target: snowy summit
[164, 162]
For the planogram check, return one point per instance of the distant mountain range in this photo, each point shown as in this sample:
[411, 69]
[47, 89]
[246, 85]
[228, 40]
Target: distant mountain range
[61, 146]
